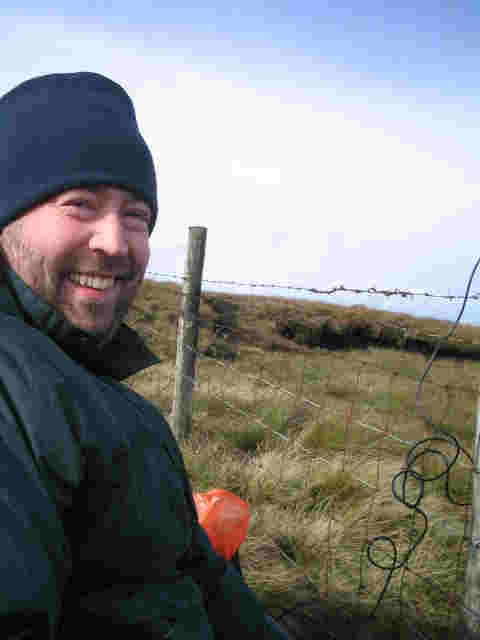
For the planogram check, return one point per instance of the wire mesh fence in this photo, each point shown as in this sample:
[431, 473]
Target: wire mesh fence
[361, 506]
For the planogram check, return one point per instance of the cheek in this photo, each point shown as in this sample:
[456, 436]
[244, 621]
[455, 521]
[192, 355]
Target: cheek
[52, 237]
[142, 253]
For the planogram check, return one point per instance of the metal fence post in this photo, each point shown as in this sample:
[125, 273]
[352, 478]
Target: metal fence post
[187, 338]
[471, 611]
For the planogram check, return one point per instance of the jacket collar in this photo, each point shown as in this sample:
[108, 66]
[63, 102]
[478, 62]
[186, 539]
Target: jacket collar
[123, 356]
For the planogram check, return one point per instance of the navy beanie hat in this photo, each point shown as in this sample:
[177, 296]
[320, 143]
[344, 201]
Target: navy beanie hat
[69, 130]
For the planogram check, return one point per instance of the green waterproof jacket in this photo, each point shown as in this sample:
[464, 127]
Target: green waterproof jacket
[98, 530]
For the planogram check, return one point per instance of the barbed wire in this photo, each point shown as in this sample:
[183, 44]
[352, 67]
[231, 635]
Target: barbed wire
[367, 333]
[364, 333]
[404, 293]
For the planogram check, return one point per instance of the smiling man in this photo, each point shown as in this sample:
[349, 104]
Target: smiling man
[99, 532]
[85, 251]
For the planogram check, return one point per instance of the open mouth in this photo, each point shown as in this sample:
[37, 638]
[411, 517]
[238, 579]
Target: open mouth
[100, 283]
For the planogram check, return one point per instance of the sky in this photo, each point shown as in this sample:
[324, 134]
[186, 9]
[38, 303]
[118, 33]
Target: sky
[321, 144]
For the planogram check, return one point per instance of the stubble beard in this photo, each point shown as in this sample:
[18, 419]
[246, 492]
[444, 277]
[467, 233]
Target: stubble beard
[46, 281]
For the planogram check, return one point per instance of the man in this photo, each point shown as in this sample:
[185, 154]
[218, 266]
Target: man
[98, 527]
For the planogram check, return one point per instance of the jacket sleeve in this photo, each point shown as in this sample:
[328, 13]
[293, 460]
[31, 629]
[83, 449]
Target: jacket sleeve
[29, 598]
[233, 610]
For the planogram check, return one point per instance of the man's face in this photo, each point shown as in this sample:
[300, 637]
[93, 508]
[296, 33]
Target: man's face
[84, 251]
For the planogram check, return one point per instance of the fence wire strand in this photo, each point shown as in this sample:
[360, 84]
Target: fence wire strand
[403, 293]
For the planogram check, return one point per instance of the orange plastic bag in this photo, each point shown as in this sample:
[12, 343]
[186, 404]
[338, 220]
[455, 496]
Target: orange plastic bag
[225, 517]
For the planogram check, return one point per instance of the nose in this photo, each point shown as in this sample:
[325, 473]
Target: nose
[109, 236]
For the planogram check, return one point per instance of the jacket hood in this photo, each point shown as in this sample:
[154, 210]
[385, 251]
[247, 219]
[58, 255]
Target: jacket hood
[125, 354]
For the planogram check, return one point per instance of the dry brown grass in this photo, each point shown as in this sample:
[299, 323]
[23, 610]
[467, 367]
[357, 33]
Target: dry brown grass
[312, 439]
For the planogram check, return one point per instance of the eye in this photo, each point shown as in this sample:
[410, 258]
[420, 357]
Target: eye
[80, 208]
[79, 202]
[139, 216]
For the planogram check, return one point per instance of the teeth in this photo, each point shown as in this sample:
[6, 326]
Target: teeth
[94, 282]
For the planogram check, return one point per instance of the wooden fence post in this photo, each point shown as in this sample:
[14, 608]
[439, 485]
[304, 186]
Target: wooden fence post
[471, 611]
[187, 338]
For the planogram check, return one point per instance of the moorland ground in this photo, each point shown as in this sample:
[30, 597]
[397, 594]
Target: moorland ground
[312, 437]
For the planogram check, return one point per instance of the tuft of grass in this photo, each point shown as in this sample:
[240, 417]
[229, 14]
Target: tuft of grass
[247, 439]
[324, 435]
[212, 406]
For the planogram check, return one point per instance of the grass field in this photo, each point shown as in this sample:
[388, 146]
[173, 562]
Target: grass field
[312, 439]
